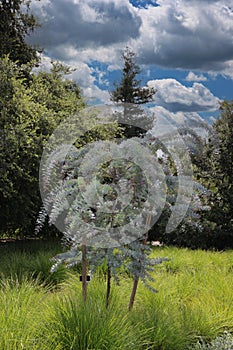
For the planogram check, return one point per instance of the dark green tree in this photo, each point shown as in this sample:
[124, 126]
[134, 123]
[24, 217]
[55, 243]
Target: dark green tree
[16, 23]
[29, 113]
[217, 175]
[129, 93]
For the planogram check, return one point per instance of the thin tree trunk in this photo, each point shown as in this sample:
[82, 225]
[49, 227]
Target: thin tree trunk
[108, 287]
[133, 293]
[148, 220]
[84, 272]
[109, 275]
[136, 279]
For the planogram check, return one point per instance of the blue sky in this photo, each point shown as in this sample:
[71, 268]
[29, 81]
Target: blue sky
[184, 47]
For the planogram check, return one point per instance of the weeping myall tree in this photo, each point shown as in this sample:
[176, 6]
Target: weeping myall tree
[104, 197]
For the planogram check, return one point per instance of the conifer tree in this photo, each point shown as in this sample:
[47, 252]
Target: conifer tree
[129, 93]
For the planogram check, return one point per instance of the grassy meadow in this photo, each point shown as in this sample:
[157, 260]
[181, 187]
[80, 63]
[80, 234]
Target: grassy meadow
[192, 309]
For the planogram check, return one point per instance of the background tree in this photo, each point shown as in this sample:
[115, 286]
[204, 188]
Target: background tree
[29, 113]
[209, 221]
[216, 172]
[129, 93]
[15, 24]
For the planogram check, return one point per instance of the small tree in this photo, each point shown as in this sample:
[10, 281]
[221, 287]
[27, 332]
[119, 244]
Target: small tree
[107, 207]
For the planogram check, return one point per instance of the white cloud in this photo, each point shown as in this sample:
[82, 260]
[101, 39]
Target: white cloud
[194, 77]
[180, 120]
[96, 95]
[82, 74]
[188, 34]
[175, 97]
[194, 35]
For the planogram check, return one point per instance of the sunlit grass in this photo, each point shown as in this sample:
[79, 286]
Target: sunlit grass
[194, 301]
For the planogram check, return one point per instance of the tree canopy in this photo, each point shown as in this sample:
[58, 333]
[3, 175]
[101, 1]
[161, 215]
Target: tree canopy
[16, 23]
[217, 174]
[132, 95]
[29, 113]
[129, 89]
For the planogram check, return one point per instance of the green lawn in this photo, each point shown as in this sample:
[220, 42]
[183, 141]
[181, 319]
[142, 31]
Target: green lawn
[44, 311]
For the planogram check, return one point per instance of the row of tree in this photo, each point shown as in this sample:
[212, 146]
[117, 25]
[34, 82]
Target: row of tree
[33, 104]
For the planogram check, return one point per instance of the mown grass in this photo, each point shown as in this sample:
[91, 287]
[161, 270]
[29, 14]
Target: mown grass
[195, 301]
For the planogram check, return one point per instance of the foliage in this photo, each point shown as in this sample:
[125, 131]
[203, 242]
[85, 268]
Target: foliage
[194, 302]
[15, 24]
[216, 173]
[20, 314]
[222, 342]
[208, 223]
[104, 205]
[129, 90]
[15, 257]
[129, 93]
[75, 325]
[29, 112]
[190, 232]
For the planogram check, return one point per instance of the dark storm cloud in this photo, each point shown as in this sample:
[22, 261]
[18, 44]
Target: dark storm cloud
[81, 24]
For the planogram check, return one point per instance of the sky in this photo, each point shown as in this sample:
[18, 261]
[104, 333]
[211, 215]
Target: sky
[184, 48]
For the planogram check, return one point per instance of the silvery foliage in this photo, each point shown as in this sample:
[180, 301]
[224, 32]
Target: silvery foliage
[173, 170]
[138, 262]
[78, 198]
[81, 196]
[77, 201]
[222, 342]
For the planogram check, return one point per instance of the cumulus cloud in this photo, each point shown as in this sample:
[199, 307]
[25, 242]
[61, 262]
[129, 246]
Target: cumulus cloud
[83, 75]
[194, 35]
[194, 77]
[175, 97]
[188, 34]
[180, 120]
[81, 24]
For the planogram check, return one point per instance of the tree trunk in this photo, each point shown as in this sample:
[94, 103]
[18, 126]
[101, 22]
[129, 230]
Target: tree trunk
[133, 293]
[108, 286]
[136, 279]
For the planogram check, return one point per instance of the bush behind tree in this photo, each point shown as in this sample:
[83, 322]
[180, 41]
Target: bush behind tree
[29, 113]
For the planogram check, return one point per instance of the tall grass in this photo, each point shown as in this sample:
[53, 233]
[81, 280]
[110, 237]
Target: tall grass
[195, 301]
[73, 324]
[21, 314]
[32, 260]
